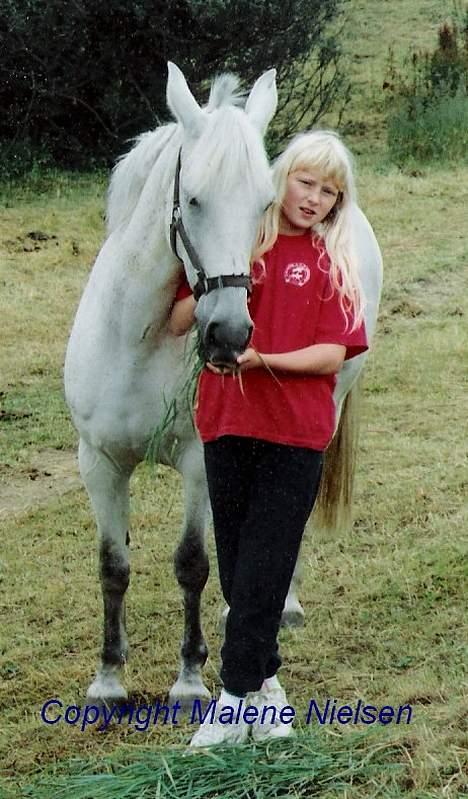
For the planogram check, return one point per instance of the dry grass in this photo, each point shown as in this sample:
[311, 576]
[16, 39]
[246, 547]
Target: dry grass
[386, 606]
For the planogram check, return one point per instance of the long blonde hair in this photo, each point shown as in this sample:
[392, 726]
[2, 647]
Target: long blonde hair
[324, 151]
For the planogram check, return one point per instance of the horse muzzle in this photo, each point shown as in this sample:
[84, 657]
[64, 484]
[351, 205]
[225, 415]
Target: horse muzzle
[221, 345]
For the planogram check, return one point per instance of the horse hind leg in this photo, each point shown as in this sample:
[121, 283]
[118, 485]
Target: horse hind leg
[192, 568]
[107, 485]
[293, 612]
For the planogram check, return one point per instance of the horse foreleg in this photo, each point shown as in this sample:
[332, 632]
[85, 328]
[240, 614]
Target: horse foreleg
[107, 486]
[191, 568]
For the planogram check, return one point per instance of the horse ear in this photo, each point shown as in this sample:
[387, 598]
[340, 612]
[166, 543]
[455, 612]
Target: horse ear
[262, 101]
[182, 103]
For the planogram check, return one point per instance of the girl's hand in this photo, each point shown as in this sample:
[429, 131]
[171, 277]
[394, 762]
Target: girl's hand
[250, 359]
[213, 369]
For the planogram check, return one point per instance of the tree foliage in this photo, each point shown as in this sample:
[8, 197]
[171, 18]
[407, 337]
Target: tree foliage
[78, 78]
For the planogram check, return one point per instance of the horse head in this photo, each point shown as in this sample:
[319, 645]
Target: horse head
[222, 188]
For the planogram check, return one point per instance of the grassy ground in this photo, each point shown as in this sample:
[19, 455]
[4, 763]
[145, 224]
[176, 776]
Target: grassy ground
[386, 605]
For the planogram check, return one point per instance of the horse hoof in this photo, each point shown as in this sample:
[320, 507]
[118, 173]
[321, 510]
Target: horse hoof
[187, 693]
[293, 618]
[106, 690]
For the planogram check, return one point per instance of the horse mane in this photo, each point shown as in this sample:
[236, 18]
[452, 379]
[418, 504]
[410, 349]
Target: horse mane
[225, 91]
[227, 141]
[131, 173]
[227, 151]
[224, 118]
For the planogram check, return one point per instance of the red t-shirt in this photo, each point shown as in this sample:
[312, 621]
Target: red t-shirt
[292, 305]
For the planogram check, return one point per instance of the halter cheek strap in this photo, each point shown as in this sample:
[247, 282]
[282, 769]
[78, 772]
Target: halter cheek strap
[204, 284]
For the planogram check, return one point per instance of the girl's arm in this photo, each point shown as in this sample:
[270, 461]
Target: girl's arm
[318, 359]
[182, 316]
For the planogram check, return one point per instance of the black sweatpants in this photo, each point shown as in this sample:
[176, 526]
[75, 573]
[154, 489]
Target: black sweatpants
[262, 495]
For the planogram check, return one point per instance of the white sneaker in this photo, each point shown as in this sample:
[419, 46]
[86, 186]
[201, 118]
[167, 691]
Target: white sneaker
[212, 733]
[271, 694]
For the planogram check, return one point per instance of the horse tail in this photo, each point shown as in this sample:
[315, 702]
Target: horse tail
[334, 501]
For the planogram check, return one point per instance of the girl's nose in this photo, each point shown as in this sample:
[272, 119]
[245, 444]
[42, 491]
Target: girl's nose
[313, 194]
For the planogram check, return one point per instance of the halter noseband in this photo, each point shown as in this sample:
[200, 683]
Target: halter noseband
[204, 284]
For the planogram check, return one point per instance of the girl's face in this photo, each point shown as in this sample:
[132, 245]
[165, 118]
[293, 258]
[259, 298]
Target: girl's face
[308, 200]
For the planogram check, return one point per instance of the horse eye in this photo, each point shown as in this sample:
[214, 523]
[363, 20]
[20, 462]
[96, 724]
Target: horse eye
[194, 202]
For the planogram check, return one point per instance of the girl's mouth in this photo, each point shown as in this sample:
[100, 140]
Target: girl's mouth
[307, 211]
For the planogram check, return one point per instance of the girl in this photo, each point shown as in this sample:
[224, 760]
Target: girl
[263, 441]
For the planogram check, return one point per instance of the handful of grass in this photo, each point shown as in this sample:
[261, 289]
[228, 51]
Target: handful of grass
[308, 765]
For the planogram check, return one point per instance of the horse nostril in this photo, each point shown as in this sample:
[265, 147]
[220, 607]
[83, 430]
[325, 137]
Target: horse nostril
[221, 337]
[211, 334]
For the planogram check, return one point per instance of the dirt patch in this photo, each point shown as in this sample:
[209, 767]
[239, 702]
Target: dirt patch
[30, 242]
[50, 474]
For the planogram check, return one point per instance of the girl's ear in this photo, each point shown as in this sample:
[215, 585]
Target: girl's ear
[182, 103]
[262, 101]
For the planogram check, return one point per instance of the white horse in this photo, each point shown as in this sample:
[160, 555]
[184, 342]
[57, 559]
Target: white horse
[122, 364]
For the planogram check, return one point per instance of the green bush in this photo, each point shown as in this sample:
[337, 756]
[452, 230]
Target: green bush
[436, 131]
[428, 103]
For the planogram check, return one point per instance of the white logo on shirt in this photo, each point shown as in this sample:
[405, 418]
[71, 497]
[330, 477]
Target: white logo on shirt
[297, 274]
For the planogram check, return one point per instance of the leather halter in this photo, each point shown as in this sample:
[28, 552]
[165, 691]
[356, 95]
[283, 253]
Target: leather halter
[204, 284]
